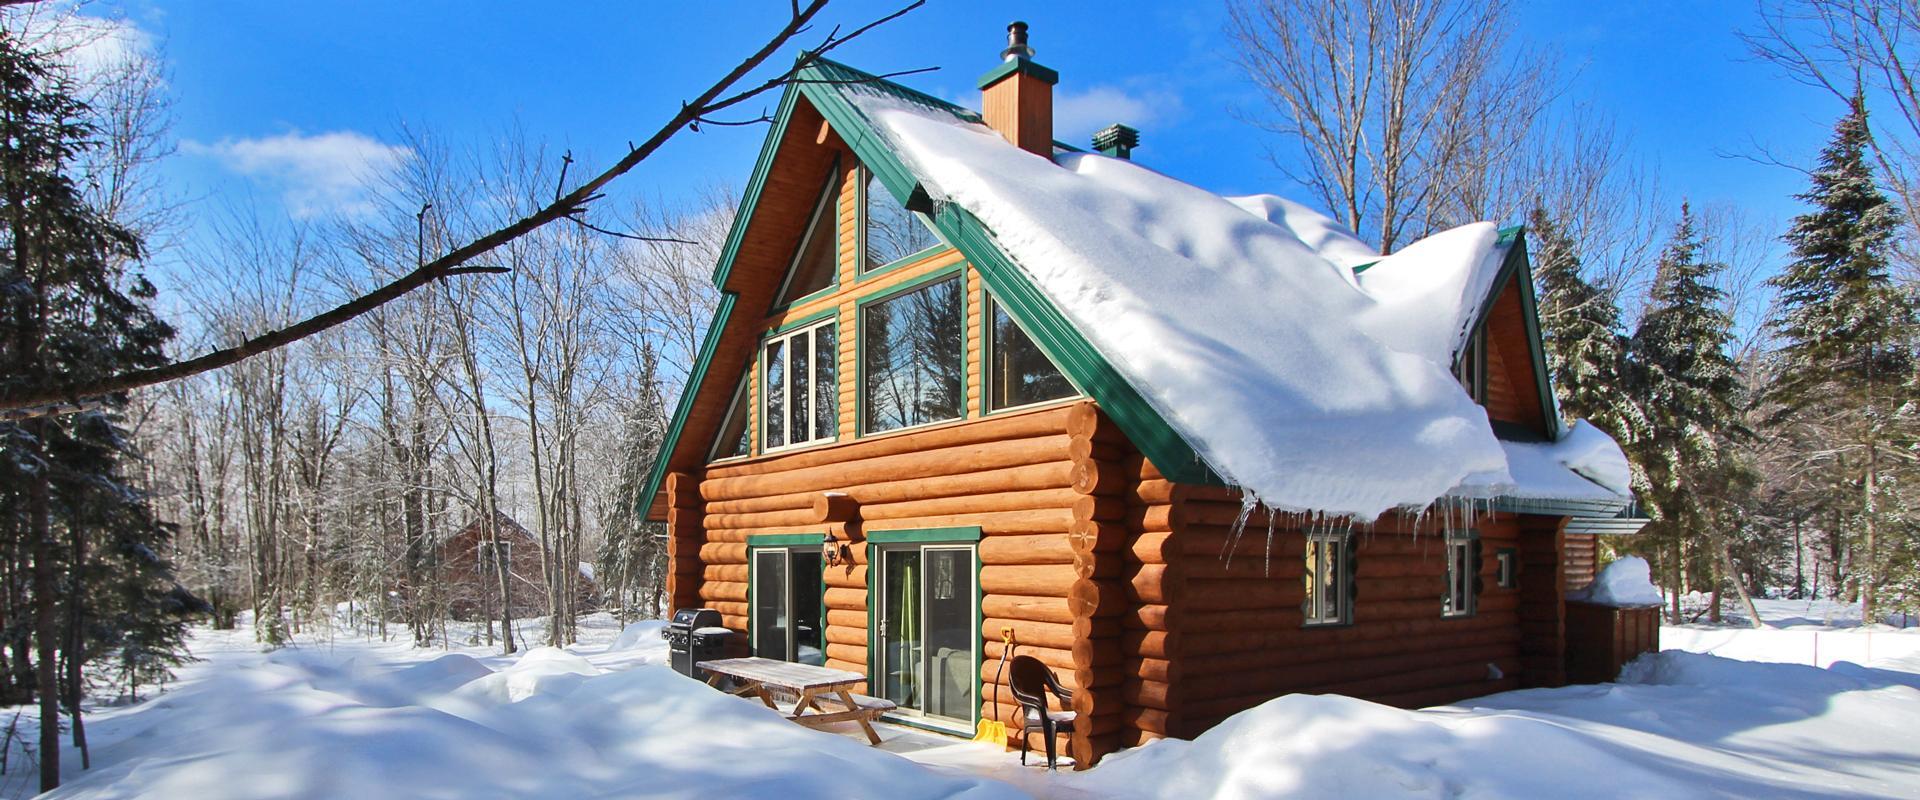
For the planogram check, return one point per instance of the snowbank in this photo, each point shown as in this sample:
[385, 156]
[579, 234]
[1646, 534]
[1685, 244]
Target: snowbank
[1625, 583]
[1679, 725]
[1241, 320]
[314, 724]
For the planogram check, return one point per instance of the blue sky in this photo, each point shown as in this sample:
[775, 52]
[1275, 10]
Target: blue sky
[293, 103]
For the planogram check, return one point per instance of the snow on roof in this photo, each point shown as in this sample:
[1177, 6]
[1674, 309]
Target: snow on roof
[1241, 321]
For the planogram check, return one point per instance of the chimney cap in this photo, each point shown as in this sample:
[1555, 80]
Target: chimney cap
[1017, 47]
[1017, 59]
[1116, 141]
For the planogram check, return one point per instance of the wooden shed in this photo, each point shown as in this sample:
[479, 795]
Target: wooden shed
[467, 560]
[896, 449]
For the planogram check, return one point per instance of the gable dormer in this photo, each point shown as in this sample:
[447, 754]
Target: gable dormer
[1502, 363]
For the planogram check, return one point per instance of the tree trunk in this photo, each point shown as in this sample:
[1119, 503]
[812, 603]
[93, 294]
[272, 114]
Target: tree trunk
[46, 630]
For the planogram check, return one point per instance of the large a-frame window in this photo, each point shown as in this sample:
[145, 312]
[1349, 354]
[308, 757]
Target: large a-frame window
[912, 355]
[816, 264]
[1018, 373]
[891, 233]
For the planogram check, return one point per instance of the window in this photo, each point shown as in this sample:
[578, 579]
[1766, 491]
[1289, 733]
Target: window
[1330, 571]
[1471, 370]
[799, 396]
[816, 264]
[911, 356]
[788, 613]
[1463, 574]
[487, 559]
[734, 438]
[892, 232]
[1508, 562]
[1018, 373]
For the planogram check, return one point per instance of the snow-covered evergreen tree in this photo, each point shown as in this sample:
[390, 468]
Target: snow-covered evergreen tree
[1845, 364]
[1580, 329]
[1684, 377]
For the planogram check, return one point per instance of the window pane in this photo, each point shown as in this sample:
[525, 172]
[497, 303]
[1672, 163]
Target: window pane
[893, 232]
[818, 260]
[950, 635]
[826, 387]
[770, 624]
[1330, 580]
[911, 350]
[800, 388]
[732, 440]
[773, 404]
[809, 634]
[1019, 373]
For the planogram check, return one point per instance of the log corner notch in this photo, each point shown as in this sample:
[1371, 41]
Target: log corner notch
[686, 532]
[1096, 599]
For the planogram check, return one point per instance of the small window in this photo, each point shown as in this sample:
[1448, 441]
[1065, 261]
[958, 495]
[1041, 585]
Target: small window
[1471, 370]
[911, 348]
[734, 439]
[492, 555]
[1330, 570]
[816, 264]
[1509, 564]
[892, 232]
[1463, 574]
[1018, 373]
[799, 395]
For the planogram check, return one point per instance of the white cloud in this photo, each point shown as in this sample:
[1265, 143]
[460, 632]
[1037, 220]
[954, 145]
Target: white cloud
[318, 174]
[91, 48]
[1076, 115]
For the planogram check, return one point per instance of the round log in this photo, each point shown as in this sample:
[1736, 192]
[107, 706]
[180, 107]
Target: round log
[852, 654]
[724, 553]
[1044, 634]
[970, 504]
[1085, 450]
[1059, 660]
[1148, 582]
[1097, 598]
[1049, 475]
[1098, 565]
[918, 464]
[1092, 508]
[834, 507]
[995, 523]
[1151, 694]
[1153, 548]
[1098, 478]
[1086, 421]
[839, 634]
[1152, 669]
[846, 599]
[1026, 550]
[1096, 627]
[1146, 617]
[1097, 537]
[848, 666]
[1033, 581]
[1149, 644]
[846, 618]
[724, 590]
[850, 576]
[725, 573]
[1036, 609]
[999, 427]
[1096, 653]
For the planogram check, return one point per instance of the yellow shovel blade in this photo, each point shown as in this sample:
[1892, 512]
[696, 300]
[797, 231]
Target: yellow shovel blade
[992, 731]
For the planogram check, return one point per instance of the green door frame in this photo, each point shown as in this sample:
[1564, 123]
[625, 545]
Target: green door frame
[880, 540]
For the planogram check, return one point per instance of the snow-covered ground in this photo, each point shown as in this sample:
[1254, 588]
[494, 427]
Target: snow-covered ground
[361, 718]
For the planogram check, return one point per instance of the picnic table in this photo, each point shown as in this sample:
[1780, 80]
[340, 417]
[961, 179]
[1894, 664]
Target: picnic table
[822, 695]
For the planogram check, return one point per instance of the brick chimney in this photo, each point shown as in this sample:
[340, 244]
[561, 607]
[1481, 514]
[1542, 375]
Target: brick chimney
[1017, 96]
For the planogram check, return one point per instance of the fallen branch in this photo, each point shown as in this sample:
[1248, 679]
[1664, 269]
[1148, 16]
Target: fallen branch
[571, 205]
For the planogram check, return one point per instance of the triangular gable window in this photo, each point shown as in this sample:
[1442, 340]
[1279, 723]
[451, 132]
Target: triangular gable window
[733, 441]
[892, 233]
[1471, 369]
[816, 265]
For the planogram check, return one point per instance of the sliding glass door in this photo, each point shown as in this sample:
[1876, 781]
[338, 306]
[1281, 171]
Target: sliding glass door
[787, 616]
[928, 628]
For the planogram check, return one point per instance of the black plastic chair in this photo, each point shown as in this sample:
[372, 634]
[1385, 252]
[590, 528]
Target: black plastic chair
[1030, 682]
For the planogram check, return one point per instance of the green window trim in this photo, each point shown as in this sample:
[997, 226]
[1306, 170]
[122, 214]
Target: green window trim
[882, 295]
[739, 402]
[796, 324]
[957, 535]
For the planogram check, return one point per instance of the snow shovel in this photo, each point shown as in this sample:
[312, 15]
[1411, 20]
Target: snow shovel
[993, 730]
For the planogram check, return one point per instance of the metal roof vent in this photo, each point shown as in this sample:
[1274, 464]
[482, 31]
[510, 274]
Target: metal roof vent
[1116, 141]
[1016, 43]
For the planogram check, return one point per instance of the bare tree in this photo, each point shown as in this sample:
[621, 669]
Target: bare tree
[1398, 108]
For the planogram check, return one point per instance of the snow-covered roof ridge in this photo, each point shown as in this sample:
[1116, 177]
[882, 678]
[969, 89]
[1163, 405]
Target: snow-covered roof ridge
[1241, 321]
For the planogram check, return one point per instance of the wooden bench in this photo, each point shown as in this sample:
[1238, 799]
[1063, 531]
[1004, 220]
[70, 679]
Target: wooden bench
[834, 709]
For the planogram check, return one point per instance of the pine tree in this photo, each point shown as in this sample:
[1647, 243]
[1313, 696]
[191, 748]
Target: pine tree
[70, 519]
[1683, 376]
[1580, 330]
[1845, 362]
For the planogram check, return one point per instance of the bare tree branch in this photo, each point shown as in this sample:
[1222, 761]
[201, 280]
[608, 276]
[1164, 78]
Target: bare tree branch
[568, 206]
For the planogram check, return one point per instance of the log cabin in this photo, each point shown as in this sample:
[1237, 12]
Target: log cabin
[469, 560]
[947, 408]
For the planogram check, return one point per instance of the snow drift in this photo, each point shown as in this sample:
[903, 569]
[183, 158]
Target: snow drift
[1242, 321]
